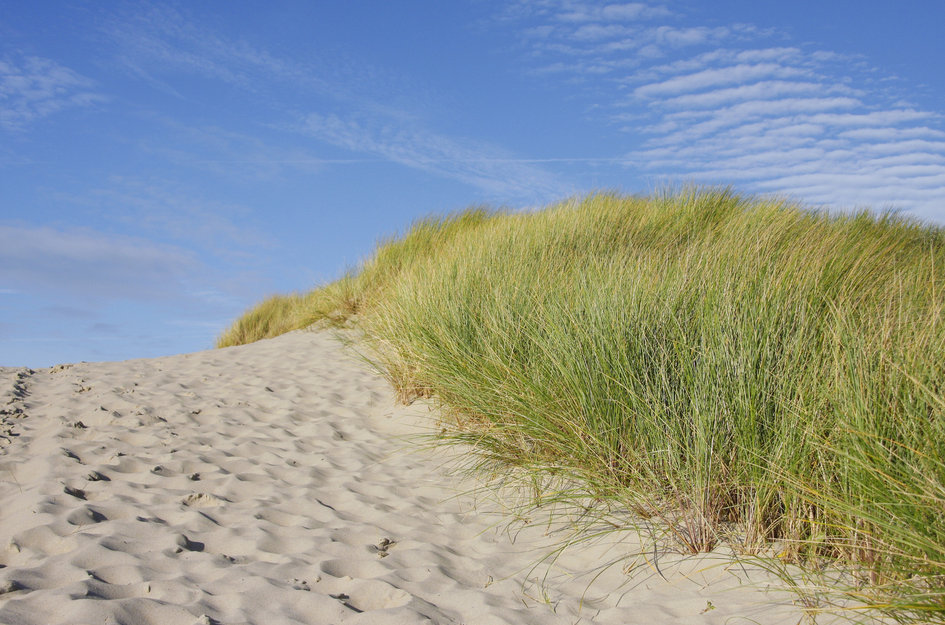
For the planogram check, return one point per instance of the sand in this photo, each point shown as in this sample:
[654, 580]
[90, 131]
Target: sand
[278, 483]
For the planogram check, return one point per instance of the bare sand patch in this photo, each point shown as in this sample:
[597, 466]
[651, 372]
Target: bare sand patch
[275, 483]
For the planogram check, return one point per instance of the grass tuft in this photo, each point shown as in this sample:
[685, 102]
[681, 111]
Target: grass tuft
[744, 369]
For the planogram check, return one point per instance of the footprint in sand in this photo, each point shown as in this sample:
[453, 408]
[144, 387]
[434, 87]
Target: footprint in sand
[299, 584]
[85, 516]
[373, 595]
[202, 500]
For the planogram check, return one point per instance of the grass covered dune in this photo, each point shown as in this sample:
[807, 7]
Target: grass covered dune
[743, 369]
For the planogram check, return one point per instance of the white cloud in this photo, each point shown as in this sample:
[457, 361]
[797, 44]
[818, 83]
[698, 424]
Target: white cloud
[591, 40]
[590, 32]
[679, 37]
[741, 115]
[767, 90]
[888, 134]
[874, 119]
[735, 74]
[35, 87]
[540, 32]
[633, 11]
[910, 159]
[833, 172]
[781, 55]
[791, 106]
[914, 146]
[790, 129]
[774, 118]
[588, 12]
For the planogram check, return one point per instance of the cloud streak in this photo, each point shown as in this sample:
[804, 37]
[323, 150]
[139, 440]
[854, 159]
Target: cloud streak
[91, 265]
[793, 137]
[718, 105]
[737, 74]
[483, 166]
[159, 39]
[33, 87]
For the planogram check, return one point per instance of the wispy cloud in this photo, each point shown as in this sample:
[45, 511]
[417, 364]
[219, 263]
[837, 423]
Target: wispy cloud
[228, 153]
[32, 88]
[161, 209]
[737, 74]
[578, 11]
[157, 40]
[91, 265]
[485, 166]
[718, 104]
[793, 136]
[764, 90]
[617, 12]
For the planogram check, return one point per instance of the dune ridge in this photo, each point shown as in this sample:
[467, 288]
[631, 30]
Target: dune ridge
[275, 483]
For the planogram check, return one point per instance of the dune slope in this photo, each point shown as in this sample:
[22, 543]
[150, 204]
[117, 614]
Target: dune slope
[276, 483]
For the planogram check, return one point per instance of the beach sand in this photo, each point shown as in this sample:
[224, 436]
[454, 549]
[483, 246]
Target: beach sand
[278, 483]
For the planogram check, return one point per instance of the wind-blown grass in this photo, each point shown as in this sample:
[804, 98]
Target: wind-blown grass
[741, 368]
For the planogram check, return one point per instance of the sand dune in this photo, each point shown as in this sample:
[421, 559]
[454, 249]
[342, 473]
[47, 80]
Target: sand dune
[272, 483]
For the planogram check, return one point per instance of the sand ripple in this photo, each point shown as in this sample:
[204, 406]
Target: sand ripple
[267, 484]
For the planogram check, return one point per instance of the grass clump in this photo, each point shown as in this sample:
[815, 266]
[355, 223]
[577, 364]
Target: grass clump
[273, 316]
[742, 368]
[338, 303]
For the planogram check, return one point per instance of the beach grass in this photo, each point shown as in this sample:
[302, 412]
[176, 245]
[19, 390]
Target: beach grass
[744, 369]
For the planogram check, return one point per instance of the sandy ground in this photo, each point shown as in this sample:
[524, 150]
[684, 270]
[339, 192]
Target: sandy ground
[276, 483]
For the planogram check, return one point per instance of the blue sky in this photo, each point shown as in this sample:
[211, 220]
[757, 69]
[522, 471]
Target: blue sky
[165, 165]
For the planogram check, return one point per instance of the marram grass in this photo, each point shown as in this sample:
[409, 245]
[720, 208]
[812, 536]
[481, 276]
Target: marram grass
[742, 368]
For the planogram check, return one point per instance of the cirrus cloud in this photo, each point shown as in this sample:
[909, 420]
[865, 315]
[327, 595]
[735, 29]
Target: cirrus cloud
[721, 105]
[91, 265]
[34, 87]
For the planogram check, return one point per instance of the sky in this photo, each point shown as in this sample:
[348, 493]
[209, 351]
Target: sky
[164, 165]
